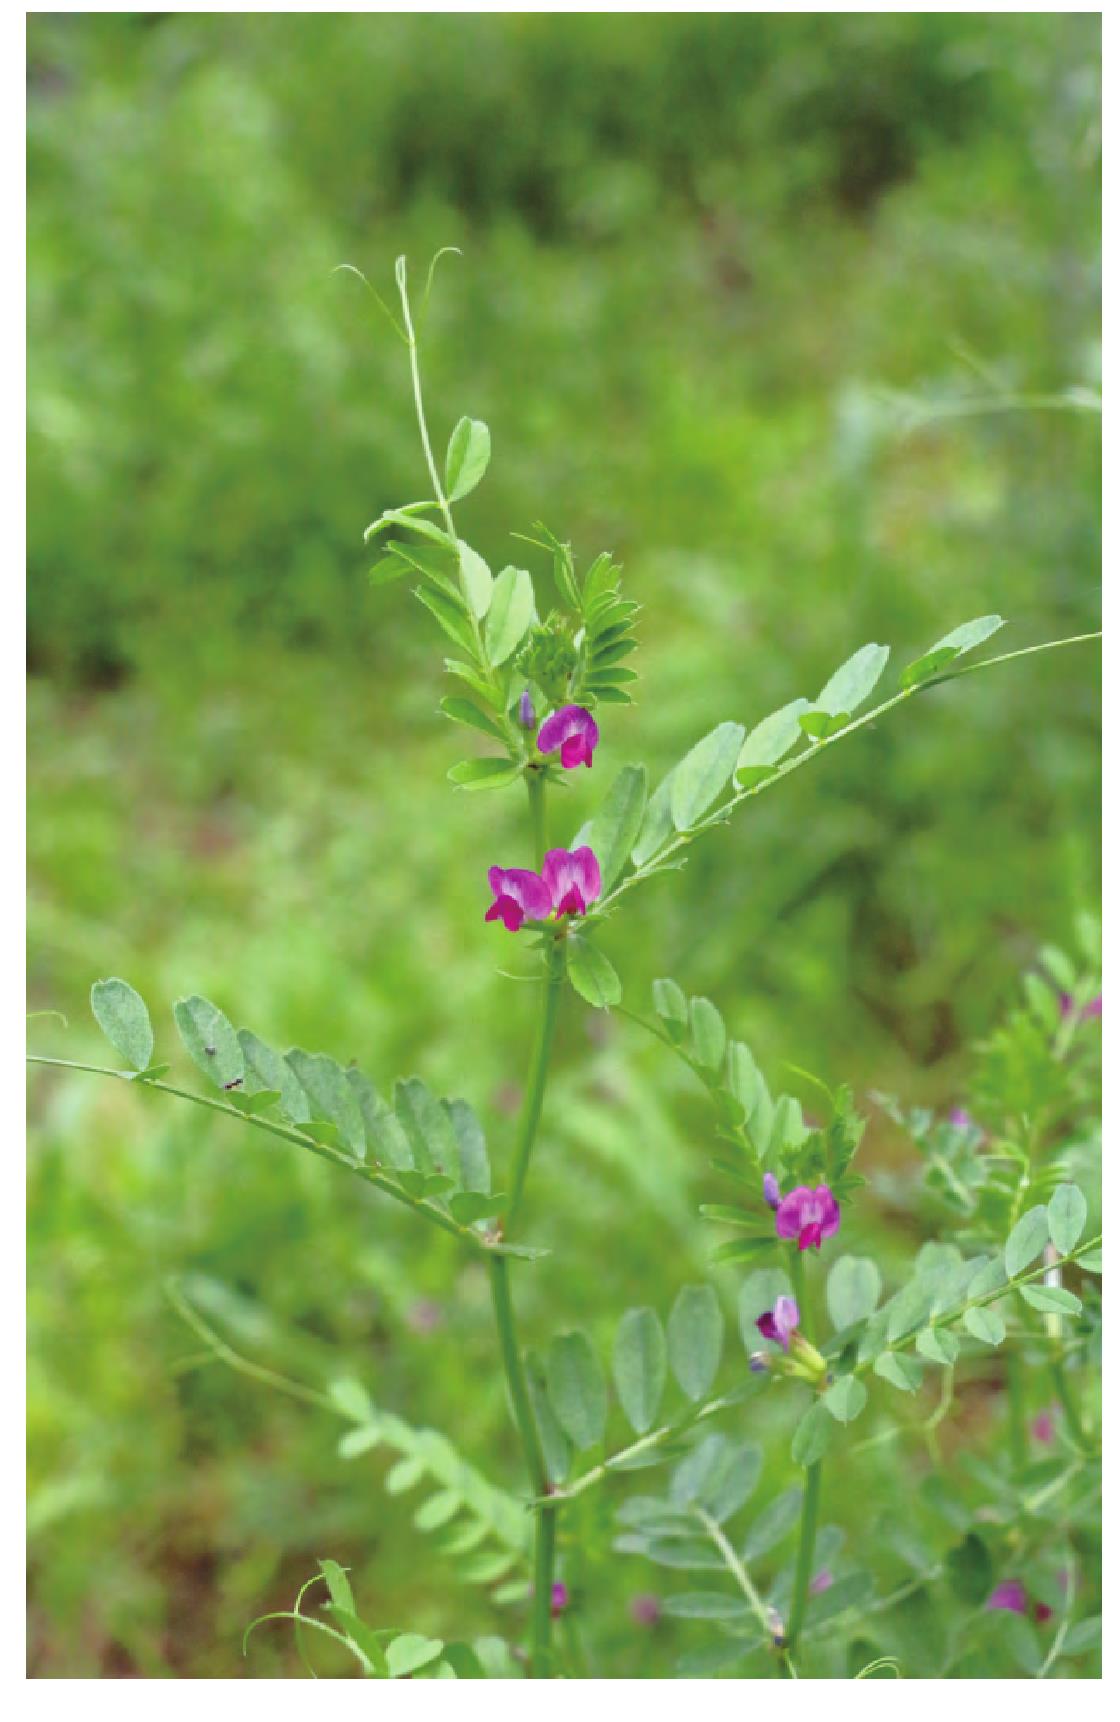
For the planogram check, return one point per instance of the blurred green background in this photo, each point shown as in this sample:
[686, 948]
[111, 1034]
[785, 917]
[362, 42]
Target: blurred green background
[798, 315]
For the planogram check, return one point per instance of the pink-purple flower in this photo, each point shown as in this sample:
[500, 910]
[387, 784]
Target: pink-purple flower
[1068, 1008]
[1044, 1427]
[573, 879]
[1009, 1594]
[574, 731]
[559, 1598]
[780, 1322]
[568, 883]
[808, 1215]
[771, 1191]
[645, 1609]
[518, 895]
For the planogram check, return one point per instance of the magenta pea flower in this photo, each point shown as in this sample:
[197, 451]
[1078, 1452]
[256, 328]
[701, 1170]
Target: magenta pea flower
[559, 1599]
[645, 1609]
[518, 895]
[572, 879]
[822, 1582]
[574, 731]
[771, 1191]
[526, 712]
[808, 1215]
[1044, 1427]
[567, 884]
[780, 1322]
[1009, 1594]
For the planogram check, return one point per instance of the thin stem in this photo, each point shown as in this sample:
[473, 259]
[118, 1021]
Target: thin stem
[723, 812]
[544, 1529]
[218, 1350]
[465, 1234]
[656, 1438]
[418, 399]
[535, 784]
[523, 1417]
[736, 1568]
[535, 1081]
[810, 1507]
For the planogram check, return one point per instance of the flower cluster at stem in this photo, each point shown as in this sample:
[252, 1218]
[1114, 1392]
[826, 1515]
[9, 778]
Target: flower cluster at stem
[568, 883]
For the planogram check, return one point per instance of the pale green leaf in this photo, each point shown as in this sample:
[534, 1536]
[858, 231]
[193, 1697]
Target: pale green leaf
[853, 1290]
[478, 582]
[770, 740]
[846, 1398]
[1028, 1239]
[468, 456]
[702, 774]
[812, 1435]
[1066, 1216]
[986, 1325]
[209, 1037]
[591, 973]
[695, 1339]
[513, 610]
[613, 831]
[849, 686]
[123, 1019]
[640, 1361]
[576, 1389]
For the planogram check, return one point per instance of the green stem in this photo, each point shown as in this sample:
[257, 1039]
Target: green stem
[737, 1568]
[465, 1234]
[535, 1081]
[810, 1507]
[656, 1438]
[724, 811]
[535, 785]
[1016, 1412]
[544, 1529]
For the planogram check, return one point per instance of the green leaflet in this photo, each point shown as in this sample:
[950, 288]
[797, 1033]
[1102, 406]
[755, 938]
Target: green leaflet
[614, 829]
[709, 1036]
[513, 611]
[849, 686]
[703, 773]
[209, 1037]
[853, 1290]
[123, 1019]
[468, 456]
[812, 1436]
[591, 973]
[576, 1389]
[772, 739]
[1066, 1216]
[266, 1070]
[695, 1339]
[330, 1096]
[640, 1365]
[846, 1398]
[1028, 1239]
[478, 582]
[428, 1127]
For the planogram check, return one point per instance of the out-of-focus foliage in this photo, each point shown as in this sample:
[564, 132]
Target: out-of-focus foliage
[798, 316]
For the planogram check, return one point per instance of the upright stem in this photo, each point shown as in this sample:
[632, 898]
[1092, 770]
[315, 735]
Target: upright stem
[535, 783]
[544, 1524]
[804, 1571]
[810, 1505]
[535, 1081]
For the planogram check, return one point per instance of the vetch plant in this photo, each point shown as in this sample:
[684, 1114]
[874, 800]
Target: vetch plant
[1003, 1190]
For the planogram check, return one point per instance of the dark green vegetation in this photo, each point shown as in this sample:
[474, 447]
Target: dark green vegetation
[799, 318]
